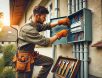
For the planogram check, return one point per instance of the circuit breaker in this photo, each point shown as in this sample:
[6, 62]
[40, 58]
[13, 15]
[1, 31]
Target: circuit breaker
[80, 28]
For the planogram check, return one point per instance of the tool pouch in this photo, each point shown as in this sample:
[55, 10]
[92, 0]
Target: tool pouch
[21, 65]
[23, 62]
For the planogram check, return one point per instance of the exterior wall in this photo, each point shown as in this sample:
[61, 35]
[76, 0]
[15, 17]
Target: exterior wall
[63, 8]
[96, 8]
[95, 54]
[95, 66]
[64, 50]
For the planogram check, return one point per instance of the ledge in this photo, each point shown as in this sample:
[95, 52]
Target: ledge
[97, 44]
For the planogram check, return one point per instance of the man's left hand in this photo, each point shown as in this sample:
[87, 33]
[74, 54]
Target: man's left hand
[64, 21]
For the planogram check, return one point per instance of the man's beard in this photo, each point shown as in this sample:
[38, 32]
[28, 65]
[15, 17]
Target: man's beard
[40, 22]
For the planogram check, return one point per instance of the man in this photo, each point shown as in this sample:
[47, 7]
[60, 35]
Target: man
[29, 37]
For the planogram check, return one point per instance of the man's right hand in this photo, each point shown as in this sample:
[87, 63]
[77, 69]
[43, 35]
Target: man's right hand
[62, 33]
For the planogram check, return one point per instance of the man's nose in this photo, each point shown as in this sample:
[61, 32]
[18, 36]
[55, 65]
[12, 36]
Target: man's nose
[44, 19]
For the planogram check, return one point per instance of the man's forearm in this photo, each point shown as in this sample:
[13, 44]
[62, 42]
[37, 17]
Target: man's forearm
[53, 39]
[53, 24]
[64, 21]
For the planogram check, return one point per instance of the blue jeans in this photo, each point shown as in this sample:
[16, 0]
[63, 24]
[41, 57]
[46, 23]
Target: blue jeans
[44, 61]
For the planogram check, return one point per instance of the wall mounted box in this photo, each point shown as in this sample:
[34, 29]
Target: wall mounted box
[81, 26]
[57, 29]
[66, 67]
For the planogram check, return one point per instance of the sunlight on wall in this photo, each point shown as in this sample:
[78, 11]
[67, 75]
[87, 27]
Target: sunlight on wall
[5, 8]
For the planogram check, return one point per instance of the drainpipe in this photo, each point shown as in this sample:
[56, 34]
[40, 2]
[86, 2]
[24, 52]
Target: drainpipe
[77, 51]
[16, 42]
[82, 63]
[56, 15]
[56, 8]
[77, 3]
[77, 57]
[69, 7]
[80, 4]
[84, 3]
[54, 56]
[54, 46]
[74, 55]
[86, 60]
[73, 6]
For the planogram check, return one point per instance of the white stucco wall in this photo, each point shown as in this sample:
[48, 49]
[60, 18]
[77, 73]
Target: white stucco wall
[95, 66]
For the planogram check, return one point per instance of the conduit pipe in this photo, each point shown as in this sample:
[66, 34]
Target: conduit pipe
[84, 3]
[56, 8]
[77, 5]
[69, 7]
[86, 52]
[56, 15]
[54, 46]
[77, 51]
[78, 57]
[74, 55]
[73, 10]
[80, 4]
[82, 63]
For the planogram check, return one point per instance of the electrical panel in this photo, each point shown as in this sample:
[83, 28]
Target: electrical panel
[58, 28]
[80, 28]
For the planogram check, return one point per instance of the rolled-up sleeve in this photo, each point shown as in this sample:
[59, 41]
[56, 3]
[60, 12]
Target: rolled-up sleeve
[43, 27]
[34, 37]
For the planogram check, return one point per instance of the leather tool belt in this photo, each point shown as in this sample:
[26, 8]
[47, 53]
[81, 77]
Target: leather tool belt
[23, 60]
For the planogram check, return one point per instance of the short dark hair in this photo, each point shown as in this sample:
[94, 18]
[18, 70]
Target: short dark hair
[40, 10]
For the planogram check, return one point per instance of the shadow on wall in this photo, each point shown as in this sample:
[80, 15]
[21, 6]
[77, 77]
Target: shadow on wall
[91, 76]
[99, 48]
[36, 72]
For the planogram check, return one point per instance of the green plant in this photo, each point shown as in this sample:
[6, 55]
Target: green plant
[1, 65]
[1, 48]
[8, 73]
[8, 53]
